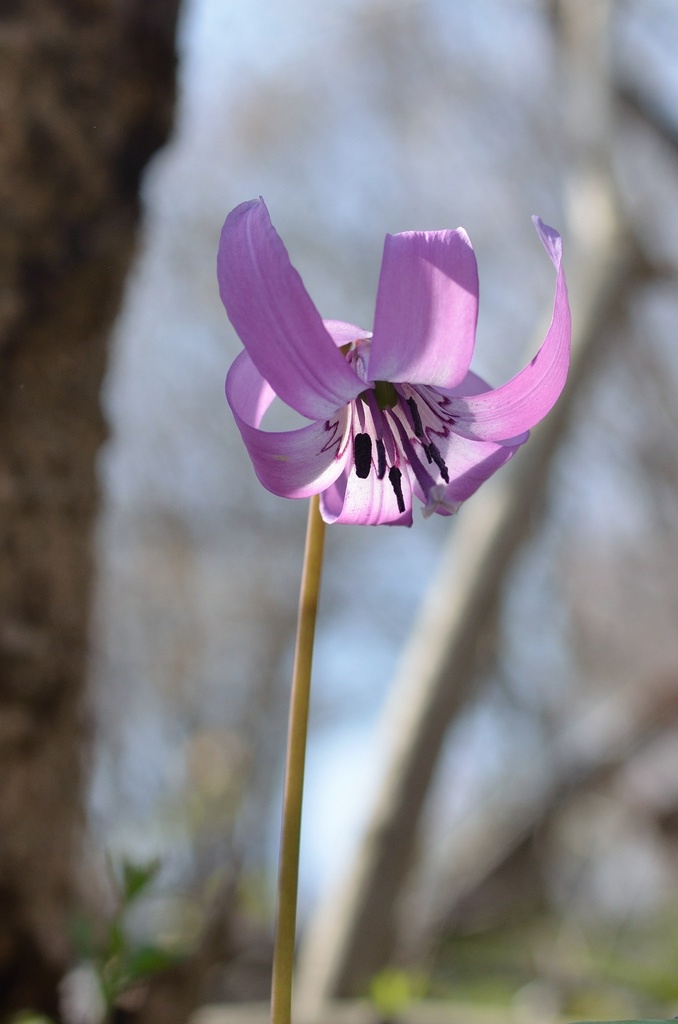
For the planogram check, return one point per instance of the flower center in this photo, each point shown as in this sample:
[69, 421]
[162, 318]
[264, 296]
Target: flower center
[393, 424]
[385, 394]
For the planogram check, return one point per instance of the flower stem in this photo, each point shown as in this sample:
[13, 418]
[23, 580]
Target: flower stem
[288, 876]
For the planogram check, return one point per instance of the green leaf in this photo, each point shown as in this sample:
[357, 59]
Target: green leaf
[29, 1017]
[654, 1020]
[116, 942]
[148, 960]
[136, 878]
[82, 936]
[392, 990]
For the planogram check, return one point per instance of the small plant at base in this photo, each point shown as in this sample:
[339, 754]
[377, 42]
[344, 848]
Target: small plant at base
[393, 990]
[113, 965]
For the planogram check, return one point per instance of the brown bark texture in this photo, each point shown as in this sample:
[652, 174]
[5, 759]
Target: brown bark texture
[86, 96]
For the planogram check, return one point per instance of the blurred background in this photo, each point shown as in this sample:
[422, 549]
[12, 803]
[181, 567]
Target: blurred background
[150, 584]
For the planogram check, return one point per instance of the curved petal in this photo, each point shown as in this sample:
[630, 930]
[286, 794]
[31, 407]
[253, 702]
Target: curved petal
[291, 463]
[472, 384]
[427, 308]
[345, 334]
[469, 464]
[275, 318]
[523, 401]
[369, 502]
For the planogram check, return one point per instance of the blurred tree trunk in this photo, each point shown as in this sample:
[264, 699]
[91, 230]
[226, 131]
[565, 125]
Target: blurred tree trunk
[86, 96]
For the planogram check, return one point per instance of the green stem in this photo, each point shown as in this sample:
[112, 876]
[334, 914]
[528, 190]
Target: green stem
[288, 877]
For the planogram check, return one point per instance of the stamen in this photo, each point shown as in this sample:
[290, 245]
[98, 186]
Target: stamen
[362, 455]
[424, 478]
[381, 459]
[382, 428]
[360, 412]
[434, 453]
[436, 404]
[395, 476]
[416, 419]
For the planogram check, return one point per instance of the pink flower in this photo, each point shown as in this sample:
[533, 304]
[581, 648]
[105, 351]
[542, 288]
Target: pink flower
[394, 411]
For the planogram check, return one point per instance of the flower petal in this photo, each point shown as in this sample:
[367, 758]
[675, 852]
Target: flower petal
[368, 502]
[469, 464]
[345, 334]
[472, 384]
[275, 318]
[292, 463]
[427, 308]
[525, 400]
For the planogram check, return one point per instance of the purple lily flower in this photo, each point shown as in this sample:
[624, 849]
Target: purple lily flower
[396, 411]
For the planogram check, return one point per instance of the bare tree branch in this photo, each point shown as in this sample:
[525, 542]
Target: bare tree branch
[636, 101]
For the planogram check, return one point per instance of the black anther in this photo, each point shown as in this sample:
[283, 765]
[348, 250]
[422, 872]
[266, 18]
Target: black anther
[416, 418]
[434, 454]
[395, 476]
[381, 459]
[362, 455]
